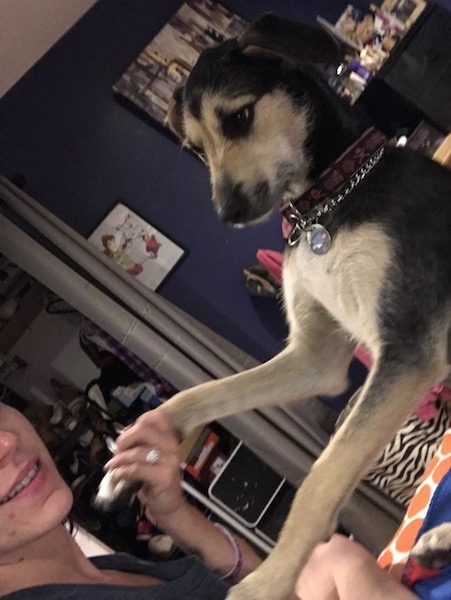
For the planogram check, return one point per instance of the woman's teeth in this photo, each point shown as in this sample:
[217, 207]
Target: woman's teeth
[20, 486]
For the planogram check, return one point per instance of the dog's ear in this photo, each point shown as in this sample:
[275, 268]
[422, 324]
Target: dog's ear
[295, 43]
[174, 114]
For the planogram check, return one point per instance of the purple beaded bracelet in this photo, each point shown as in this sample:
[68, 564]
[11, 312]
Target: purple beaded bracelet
[235, 570]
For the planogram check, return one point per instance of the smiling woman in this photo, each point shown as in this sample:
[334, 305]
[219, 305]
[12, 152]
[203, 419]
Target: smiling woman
[39, 558]
[33, 496]
[38, 554]
[24, 483]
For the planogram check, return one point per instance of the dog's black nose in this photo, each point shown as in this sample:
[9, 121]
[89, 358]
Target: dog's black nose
[233, 205]
[236, 207]
[233, 215]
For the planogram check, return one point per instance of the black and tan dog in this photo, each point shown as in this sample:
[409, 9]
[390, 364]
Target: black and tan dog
[370, 264]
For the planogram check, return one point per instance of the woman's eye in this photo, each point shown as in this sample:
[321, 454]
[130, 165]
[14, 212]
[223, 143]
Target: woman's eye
[238, 124]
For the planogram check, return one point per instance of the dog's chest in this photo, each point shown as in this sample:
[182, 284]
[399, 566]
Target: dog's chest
[347, 280]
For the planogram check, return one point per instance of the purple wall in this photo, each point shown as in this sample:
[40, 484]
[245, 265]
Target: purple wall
[80, 150]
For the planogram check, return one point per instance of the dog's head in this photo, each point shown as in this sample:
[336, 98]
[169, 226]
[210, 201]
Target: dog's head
[245, 109]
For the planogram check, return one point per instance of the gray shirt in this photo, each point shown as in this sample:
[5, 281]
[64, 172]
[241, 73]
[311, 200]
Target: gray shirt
[183, 579]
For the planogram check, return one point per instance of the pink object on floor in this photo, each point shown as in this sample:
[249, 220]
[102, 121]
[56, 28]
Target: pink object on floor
[364, 356]
[272, 261]
[426, 408]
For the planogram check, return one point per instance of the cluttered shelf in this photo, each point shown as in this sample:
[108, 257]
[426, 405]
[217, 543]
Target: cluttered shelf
[395, 63]
[368, 39]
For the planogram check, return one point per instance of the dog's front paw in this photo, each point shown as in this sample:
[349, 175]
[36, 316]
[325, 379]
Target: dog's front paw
[255, 587]
[188, 409]
[245, 590]
[433, 549]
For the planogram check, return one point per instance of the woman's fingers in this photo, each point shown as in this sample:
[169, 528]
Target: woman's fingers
[138, 456]
[148, 451]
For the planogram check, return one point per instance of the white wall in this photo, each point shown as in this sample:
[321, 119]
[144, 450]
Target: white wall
[28, 28]
[50, 348]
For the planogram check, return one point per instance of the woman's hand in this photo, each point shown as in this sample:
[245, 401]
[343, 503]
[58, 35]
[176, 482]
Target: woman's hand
[161, 492]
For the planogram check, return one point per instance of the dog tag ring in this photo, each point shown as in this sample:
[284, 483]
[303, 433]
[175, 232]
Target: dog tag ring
[318, 239]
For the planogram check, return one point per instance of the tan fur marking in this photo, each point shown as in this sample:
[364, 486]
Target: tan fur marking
[278, 131]
[347, 280]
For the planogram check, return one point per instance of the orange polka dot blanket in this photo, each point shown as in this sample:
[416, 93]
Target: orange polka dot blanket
[430, 506]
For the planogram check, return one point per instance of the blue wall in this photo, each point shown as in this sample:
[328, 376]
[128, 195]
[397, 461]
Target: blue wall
[80, 150]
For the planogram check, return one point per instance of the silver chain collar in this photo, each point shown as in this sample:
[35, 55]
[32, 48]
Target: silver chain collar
[301, 224]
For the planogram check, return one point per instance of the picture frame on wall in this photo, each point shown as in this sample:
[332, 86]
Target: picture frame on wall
[165, 63]
[406, 11]
[137, 246]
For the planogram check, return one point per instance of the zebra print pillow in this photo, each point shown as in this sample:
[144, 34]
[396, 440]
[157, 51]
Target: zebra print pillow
[399, 468]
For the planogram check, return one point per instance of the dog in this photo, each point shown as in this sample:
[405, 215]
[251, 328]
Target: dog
[370, 265]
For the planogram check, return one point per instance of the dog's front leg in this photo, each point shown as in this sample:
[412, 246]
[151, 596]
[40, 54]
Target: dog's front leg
[315, 361]
[386, 400]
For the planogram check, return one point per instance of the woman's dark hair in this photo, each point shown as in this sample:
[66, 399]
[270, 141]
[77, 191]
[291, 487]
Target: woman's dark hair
[70, 525]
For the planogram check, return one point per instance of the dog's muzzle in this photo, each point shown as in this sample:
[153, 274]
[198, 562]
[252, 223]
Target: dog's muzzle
[239, 207]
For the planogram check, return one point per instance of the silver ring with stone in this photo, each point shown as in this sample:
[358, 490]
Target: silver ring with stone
[153, 456]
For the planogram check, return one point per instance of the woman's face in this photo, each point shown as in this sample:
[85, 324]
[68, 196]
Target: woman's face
[33, 496]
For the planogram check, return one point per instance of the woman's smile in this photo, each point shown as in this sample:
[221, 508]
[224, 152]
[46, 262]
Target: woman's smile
[29, 481]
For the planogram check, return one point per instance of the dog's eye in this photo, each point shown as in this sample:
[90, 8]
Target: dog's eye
[238, 124]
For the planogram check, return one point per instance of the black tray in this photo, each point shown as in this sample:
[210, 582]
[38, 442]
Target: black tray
[274, 517]
[245, 486]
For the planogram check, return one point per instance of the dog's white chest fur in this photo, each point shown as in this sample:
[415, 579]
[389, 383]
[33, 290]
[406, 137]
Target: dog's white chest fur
[346, 281]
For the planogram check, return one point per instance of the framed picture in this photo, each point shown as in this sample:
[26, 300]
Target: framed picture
[164, 64]
[136, 246]
[406, 11]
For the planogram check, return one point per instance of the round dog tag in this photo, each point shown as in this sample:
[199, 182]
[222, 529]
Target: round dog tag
[318, 239]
